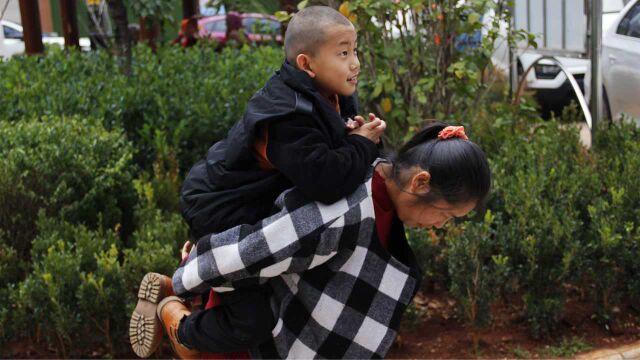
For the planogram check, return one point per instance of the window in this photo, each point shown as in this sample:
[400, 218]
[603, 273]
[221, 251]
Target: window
[216, 26]
[11, 33]
[630, 24]
[261, 26]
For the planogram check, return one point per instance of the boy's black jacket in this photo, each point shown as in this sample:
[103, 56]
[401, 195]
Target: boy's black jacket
[229, 188]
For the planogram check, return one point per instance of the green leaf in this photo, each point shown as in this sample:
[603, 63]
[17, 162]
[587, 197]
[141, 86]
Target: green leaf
[377, 90]
[473, 18]
[283, 16]
[303, 4]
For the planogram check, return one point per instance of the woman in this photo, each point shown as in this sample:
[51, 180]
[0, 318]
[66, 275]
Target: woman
[341, 274]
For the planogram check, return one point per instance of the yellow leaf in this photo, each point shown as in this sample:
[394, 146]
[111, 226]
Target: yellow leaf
[386, 104]
[344, 9]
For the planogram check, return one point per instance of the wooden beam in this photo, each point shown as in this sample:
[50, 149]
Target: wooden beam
[32, 30]
[190, 8]
[69, 14]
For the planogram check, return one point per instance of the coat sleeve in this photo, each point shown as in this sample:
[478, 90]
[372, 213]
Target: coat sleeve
[300, 236]
[298, 149]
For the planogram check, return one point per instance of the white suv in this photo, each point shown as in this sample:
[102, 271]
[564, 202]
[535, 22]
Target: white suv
[552, 87]
[12, 40]
[620, 64]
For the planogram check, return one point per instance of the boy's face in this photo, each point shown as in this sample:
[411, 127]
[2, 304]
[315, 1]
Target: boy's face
[335, 64]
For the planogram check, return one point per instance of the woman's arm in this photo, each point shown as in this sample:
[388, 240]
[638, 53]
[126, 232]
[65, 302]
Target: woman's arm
[300, 236]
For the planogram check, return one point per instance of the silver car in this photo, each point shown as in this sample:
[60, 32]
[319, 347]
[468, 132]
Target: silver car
[620, 64]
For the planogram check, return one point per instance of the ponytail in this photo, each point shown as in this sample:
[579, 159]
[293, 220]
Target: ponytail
[458, 167]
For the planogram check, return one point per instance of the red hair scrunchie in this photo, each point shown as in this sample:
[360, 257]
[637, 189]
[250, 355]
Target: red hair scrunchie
[452, 132]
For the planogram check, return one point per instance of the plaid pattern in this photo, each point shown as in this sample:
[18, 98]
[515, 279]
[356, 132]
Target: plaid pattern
[337, 292]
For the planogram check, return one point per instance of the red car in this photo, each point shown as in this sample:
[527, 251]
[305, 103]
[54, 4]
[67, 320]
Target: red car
[258, 28]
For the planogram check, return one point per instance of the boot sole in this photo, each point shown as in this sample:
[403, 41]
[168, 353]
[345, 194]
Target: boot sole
[145, 329]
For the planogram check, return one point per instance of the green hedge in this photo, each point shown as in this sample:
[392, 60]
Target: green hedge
[67, 167]
[84, 281]
[194, 96]
[567, 218]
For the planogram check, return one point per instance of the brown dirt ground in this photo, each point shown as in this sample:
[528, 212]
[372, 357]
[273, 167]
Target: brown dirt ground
[437, 333]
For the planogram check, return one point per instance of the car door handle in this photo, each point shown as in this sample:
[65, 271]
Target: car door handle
[612, 59]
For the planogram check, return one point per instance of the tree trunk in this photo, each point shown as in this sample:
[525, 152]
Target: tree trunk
[69, 14]
[118, 12]
[149, 33]
[189, 8]
[32, 30]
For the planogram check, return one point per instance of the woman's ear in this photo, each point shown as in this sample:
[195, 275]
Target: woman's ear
[420, 183]
[303, 62]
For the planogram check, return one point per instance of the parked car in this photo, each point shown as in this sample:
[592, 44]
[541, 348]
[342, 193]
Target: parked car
[13, 39]
[257, 28]
[552, 87]
[10, 40]
[620, 64]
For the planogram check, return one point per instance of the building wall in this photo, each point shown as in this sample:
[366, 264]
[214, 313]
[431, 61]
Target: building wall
[13, 11]
[46, 20]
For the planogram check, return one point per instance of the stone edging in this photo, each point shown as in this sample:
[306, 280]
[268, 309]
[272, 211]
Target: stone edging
[627, 352]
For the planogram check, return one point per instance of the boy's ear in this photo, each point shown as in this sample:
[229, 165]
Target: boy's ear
[420, 183]
[303, 62]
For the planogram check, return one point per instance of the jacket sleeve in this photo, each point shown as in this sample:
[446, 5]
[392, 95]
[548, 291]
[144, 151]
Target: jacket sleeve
[298, 149]
[302, 235]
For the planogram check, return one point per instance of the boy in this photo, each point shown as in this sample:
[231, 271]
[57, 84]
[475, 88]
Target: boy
[293, 133]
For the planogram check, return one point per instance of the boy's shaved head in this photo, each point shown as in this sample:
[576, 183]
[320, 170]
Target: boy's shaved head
[307, 30]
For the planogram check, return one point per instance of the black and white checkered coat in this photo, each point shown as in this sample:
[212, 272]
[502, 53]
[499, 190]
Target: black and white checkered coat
[337, 292]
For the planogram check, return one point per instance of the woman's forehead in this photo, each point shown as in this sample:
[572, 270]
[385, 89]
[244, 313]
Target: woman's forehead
[455, 209]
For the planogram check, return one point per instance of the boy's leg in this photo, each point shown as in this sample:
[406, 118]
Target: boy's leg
[145, 331]
[170, 311]
[243, 320]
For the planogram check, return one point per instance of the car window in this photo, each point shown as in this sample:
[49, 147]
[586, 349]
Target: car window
[11, 33]
[630, 24]
[216, 26]
[261, 26]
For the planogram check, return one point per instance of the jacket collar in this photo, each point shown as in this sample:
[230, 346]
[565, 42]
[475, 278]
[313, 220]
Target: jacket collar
[298, 79]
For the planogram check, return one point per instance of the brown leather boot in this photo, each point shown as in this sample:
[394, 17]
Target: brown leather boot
[170, 311]
[145, 330]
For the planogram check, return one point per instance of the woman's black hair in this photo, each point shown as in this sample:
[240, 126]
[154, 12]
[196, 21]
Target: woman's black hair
[459, 168]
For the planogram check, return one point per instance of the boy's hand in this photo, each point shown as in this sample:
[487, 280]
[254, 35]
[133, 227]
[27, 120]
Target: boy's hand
[186, 249]
[352, 124]
[371, 130]
[355, 123]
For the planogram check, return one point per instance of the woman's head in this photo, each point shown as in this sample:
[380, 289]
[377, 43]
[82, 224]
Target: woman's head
[440, 175]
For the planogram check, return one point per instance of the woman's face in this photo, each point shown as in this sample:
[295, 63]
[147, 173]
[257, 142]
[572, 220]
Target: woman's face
[415, 214]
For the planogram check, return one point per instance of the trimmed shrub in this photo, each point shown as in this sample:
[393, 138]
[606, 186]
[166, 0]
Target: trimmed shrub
[613, 247]
[69, 168]
[76, 286]
[194, 95]
[542, 187]
[476, 270]
[156, 245]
